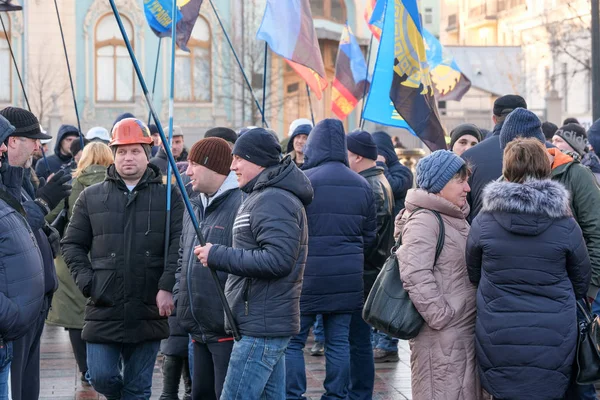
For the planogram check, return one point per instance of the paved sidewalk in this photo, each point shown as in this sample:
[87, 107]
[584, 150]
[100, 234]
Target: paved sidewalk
[60, 378]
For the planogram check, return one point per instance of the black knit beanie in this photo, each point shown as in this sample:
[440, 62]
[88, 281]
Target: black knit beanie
[226, 134]
[259, 147]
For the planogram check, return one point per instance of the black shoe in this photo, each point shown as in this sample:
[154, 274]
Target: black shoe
[318, 349]
[382, 356]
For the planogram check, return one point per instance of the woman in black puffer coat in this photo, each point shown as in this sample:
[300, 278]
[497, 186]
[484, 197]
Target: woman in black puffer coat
[529, 258]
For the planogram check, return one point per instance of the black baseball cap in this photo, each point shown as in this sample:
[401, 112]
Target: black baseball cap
[505, 104]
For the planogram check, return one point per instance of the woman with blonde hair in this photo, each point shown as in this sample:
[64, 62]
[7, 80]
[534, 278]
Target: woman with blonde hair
[68, 303]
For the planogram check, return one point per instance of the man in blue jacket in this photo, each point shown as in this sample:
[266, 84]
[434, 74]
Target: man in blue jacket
[62, 158]
[21, 265]
[342, 226]
[265, 265]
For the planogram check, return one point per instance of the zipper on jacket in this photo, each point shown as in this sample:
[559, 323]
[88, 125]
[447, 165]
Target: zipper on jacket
[245, 296]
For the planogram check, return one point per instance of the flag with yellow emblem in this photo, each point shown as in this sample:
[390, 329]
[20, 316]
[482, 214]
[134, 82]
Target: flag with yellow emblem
[158, 14]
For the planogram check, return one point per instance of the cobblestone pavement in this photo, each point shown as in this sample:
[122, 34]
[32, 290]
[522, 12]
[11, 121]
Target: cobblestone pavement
[60, 378]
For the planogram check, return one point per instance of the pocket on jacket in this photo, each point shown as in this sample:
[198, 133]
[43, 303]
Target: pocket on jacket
[153, 271]
[103, 287]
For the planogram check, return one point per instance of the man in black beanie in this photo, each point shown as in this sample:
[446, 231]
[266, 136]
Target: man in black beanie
[265, 265]
[226, 134]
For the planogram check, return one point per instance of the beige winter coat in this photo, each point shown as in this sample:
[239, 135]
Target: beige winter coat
[442, 355]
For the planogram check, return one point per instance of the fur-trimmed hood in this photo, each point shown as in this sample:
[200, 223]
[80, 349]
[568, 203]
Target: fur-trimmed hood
[527, 208]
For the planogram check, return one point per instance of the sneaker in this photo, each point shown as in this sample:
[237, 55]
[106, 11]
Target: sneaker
[318, 349]
[382, 356]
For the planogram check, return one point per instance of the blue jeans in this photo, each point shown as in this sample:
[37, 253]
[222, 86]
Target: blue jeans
[122, 371]
[6, 355]
[384, 342]
[337, 357]
[256, 369]
[318, 329]
[362, 366]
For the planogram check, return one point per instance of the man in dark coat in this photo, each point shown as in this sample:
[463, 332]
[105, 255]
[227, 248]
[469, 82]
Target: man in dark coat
[362, 156]
[342, 226]
[199, 310]
[62, 158]
[265, 265]
[177, 148]
[399, 176]
[485, 159]
[22, 143]
[114, 247]
[21, 264]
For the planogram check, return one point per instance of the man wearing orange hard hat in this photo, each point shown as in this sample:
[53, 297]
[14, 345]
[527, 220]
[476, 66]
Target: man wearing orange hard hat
[127, 276]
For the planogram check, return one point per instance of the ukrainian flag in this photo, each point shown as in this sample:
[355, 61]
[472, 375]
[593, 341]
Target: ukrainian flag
[412, 91]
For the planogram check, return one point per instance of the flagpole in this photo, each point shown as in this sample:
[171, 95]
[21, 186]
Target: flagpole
[237, 59]
[155, 74]
[184, 195]
[264, 97]
[312, 116]
[12, 55]
[62, 36]
[171, 109]
[364, 98]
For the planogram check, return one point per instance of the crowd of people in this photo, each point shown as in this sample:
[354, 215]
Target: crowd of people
[294, 234]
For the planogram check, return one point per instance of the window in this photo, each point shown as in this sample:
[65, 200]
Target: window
[193, 73]
[428, 15]
[334, 10]
[5, 65]
[114, 70]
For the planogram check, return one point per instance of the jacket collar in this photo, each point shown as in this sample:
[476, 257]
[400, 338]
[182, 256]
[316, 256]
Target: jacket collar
[230, 183]
[152, 175]
[416, 198]
[373, 171]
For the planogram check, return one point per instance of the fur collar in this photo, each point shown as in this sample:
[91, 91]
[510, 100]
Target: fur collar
[534, 197]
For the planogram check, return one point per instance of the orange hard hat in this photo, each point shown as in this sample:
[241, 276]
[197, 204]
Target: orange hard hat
[130, 131]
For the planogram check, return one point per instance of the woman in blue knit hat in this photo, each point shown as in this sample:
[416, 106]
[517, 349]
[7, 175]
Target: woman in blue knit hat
[442, 360]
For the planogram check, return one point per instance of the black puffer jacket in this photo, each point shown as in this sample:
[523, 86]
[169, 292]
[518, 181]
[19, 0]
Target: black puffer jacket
[124, 233]
[270, 244]
[21, 264]
[384, 241]
[205, 320]
[162, 161]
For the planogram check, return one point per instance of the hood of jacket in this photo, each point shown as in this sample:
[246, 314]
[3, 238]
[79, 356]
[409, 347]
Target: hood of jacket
[326, 142]
[152, 175]
[385, 147]
[63, 131]
[591, 161]
[92, 174]
[527, 208]
[287, 176]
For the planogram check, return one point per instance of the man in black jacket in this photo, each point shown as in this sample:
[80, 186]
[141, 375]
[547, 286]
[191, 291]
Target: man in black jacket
[62, 158]
[114, 247]
[265, 265]
[362, 156]
[177, 148]
[21, 265]
[22, 143]
[199, 310]
[485, 159]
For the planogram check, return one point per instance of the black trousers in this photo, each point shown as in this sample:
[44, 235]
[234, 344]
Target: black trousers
[25, 366]
[79, 349]
[210, 367]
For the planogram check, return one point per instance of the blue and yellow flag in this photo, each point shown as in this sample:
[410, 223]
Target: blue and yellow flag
[449, 82]
[158, 14]
[412, 90]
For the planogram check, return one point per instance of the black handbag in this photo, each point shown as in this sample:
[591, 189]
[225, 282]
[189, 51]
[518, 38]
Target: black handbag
[62, 219]
[588, 348]
[388, 307]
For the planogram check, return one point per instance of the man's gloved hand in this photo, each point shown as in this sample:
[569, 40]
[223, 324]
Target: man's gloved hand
[57, 188]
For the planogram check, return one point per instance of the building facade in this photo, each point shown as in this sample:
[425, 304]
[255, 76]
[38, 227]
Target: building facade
[209, 88]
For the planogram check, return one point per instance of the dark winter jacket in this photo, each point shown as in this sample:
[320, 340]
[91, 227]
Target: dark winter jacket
[57, 161]
[384, 201]
[342, 223]
[39, 226]
[21, 264]
[485, 161]
[592, 161]
[161, 160]
[204, 320]
[114, 248]
[266, 262]
[585, 197]
[528, 255]
[399, 177]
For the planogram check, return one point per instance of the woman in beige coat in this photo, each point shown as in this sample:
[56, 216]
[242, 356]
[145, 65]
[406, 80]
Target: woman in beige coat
[442, 355]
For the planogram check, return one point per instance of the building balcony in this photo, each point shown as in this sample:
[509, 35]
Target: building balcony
[452, 23]
[484, 13]
[504, 5]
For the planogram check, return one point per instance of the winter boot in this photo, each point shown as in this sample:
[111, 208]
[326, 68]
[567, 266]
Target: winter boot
[187, 380]
[171, 371]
